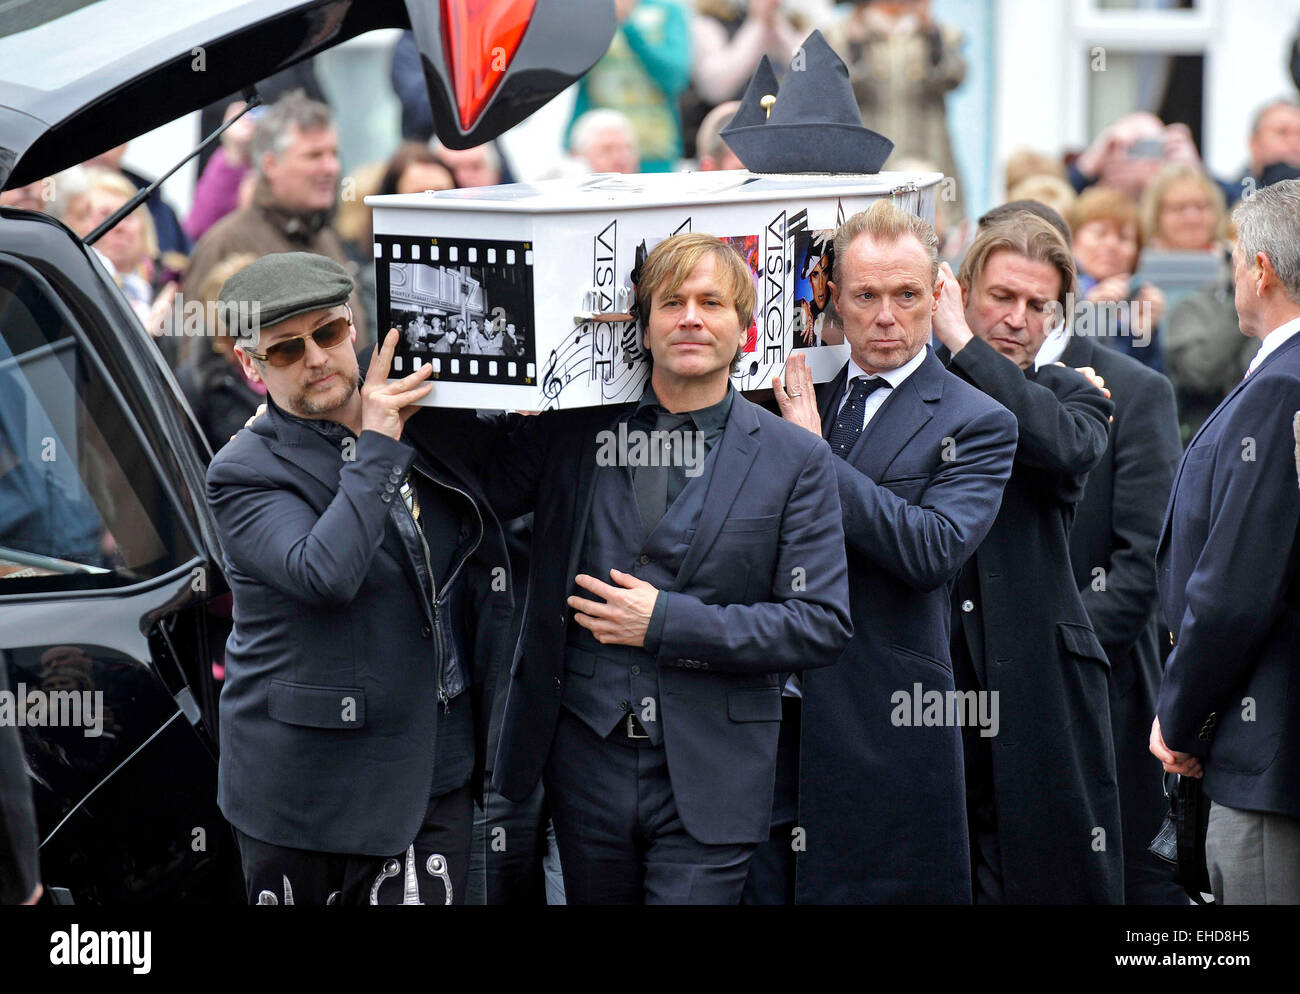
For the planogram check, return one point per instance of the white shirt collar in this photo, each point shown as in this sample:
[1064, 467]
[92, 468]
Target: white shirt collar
[1052, 349]
[1272, 342]
[894, 377]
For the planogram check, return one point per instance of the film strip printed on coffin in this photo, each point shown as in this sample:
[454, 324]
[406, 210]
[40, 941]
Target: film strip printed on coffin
[464, 305]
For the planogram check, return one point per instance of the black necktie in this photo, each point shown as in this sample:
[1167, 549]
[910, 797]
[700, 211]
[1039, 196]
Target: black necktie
[848, 420]
[651, 482]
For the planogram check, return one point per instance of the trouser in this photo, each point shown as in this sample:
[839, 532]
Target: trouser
[981, 804]
[1253, 856]
[620, 836]
[432, 870]
[772, 870]
[509, 850]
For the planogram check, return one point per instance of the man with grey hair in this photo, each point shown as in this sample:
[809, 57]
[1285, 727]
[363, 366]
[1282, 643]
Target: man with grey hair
[1229, 569]
[69, 201]
[294, 151]
[1274, 146]
[604, 139]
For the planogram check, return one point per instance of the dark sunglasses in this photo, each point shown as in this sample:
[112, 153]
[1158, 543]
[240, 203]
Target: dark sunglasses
[328, 336]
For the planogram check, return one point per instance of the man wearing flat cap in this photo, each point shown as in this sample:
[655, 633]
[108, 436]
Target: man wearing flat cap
[366, 626]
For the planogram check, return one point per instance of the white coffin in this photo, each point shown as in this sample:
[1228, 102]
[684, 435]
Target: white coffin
[550, 263]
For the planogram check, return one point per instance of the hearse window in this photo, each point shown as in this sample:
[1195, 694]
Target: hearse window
[80, 503]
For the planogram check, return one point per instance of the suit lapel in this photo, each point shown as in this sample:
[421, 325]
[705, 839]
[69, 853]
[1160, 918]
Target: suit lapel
[732, 463]
[905, 412]
[317, 456]
[1245, 381]
[582, 498]
[829, 396]
[310, 451]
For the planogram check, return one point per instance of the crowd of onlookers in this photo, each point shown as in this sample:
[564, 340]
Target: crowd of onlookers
[1150, 224]
[1153, 241]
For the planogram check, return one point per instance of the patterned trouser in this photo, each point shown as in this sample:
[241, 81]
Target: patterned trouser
[432, 870]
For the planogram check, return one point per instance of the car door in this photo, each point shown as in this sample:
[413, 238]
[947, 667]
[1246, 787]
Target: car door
[110, 595]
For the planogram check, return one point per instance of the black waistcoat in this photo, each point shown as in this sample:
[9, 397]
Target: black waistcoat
[604, 682]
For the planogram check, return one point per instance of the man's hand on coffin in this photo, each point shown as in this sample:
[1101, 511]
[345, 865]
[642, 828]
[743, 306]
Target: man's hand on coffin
[386, 406]
[797, 399]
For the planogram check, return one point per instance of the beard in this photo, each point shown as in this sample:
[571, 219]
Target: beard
[312, 404]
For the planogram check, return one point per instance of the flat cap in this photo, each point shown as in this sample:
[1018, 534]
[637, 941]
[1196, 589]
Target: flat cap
[277, 287]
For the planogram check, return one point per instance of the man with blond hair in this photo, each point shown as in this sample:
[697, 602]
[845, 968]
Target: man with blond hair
[921, 460]
[688, 550]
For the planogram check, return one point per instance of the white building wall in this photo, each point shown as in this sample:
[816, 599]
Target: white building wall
[1041, 84]
[1248, 66]
[1030, 85]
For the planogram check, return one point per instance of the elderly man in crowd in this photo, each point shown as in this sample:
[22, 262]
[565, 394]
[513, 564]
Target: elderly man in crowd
[922, 457]
[1229, 571]
[295, 154]
[367, 629]
[604, 140]
[1043, 804]
[1274, 141]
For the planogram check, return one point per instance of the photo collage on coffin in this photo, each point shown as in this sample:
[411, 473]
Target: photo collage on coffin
[463, 305]
[815, 320]
[749, 249]
[792, 266]
[747, 246]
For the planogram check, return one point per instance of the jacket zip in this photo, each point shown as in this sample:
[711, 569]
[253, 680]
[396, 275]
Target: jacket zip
[433, 583]
[437, 626]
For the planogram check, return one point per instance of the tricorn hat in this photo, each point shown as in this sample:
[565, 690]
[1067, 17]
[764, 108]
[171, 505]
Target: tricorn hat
[812, 125]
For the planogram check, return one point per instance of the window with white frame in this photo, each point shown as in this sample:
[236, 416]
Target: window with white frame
[1130, 55]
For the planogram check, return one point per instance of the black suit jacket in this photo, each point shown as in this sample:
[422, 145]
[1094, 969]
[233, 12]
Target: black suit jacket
[329, 709]
[920, 490]
[1053, 760]
[762, 590]
[1113, 552]
[1228, 563]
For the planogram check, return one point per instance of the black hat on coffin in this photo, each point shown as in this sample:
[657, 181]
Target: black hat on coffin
[814, 125]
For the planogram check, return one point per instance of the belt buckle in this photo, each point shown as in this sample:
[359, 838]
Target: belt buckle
[631, 727]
